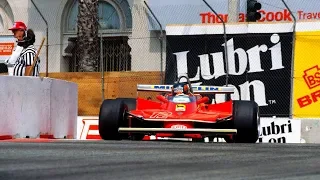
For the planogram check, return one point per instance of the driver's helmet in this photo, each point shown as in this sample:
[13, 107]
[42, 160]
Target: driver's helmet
[179, 88]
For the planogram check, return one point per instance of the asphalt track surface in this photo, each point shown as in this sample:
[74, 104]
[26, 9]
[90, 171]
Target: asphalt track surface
[90, 160]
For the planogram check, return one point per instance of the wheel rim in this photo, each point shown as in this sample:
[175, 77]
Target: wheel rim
[258, 123]
[125, 110]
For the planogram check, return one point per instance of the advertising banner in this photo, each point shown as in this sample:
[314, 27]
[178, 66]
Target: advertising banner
[277, 130]
[306, 96]
[87, 127]
[197, 12]
[259, 63]
[280, 130]
[7, 44]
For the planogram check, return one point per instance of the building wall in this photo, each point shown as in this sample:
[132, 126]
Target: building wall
[18, 9]
[52, 10]
[145, 44]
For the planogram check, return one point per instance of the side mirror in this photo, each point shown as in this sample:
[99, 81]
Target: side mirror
[203, 100]
[162, 98]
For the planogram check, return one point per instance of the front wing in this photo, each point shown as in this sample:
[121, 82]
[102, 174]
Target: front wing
[168, 117]
[173, 130]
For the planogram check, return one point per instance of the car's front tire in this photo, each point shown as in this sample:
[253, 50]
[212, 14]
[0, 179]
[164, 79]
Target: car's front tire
[131, 104]
[112, 115]
[246, 119]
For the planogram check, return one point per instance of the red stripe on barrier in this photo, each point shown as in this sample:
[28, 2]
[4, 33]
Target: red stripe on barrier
[94, 127]
[42, 138]
[93, 137]
[27, 140]
[47, 136]
[5, 137]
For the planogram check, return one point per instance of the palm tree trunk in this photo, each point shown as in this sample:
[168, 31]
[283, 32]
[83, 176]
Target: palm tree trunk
[87, 36]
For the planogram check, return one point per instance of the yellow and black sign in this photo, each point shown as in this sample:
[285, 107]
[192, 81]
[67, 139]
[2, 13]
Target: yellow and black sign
[306, 96]
[180, 107]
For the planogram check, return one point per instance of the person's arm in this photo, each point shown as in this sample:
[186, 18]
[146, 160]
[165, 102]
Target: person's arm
[15, 55]
[28, 58]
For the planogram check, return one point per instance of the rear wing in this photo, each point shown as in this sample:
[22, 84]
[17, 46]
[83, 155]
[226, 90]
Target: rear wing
[196, 89]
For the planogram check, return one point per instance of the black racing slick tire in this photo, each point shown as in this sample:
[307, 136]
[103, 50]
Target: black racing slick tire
[131, 104]
[112, 115]
[246, 119]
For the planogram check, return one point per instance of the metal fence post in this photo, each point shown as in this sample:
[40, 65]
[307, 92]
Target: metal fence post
[161, 42]
[233, 11]
[225, 43]
[47, 34]
[102, 65]
[292, 61]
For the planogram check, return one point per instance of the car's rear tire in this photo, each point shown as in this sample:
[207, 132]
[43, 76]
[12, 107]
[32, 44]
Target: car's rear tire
[112, 115]
[246, 119]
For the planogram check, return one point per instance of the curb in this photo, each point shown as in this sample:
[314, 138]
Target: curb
[43, 136]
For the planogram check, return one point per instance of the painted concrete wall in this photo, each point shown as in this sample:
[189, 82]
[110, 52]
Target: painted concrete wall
[310, 129]
[32, 105]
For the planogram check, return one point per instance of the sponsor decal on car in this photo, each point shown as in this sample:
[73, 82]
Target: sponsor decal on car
[160, 115]
[181, 99]
[179, 126]
[161, 87]
[180, 107]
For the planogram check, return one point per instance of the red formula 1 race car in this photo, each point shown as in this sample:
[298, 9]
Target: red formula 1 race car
[180, 113]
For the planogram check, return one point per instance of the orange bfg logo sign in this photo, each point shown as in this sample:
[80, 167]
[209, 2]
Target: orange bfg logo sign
[312, 78]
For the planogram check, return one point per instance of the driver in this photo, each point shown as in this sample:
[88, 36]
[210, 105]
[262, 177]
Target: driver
[177, 89]
[184, 89]
[180, 88]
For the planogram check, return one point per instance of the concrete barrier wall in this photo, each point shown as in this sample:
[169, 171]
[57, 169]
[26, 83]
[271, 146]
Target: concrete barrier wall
[32, 106]
[310, 129]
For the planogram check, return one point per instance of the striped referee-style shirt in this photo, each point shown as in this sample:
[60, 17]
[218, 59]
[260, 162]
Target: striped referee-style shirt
[26, 58]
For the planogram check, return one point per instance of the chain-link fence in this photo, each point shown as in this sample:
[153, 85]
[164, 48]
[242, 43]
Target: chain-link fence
[258, 61]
